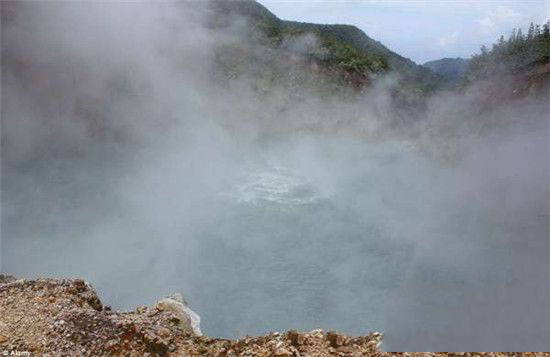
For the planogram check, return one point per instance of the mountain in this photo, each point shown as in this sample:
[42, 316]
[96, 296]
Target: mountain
[344, 47]
[449, 68]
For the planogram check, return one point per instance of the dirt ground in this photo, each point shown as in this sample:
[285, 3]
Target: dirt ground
[65, 317]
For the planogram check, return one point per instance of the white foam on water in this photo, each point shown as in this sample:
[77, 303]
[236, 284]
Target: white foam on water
[275, 184]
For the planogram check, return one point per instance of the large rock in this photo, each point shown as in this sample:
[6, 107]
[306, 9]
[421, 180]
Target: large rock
[4, 278]
[178, 306]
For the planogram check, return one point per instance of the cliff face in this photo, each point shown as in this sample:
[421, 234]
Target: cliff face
[66, 317]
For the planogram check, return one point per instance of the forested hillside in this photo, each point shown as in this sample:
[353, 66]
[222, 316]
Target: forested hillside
[518, 54]
[450, 68]
[344, 47]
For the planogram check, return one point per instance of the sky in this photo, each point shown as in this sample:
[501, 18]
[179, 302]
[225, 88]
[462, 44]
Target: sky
[418, 29]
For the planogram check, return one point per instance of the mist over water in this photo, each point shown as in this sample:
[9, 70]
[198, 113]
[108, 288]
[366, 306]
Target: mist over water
[127, 163]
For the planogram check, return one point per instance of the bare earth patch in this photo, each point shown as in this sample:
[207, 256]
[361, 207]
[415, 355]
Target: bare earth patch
[66, 317]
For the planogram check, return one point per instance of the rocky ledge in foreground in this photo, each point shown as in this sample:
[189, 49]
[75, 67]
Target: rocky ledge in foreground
[66, 317]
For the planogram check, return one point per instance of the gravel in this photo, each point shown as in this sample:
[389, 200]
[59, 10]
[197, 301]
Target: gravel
[66, 317]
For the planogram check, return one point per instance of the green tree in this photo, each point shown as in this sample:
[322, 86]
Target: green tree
[484, 50]
[531, 32]
[546, 30]
[519, 35]
[519, 54]
[537, 30]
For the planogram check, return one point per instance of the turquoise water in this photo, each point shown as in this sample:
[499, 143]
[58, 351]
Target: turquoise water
[334, 234]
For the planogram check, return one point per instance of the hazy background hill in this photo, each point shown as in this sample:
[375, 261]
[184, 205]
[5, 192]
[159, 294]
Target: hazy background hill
[336, 58]
[449, 68]
[344, 47]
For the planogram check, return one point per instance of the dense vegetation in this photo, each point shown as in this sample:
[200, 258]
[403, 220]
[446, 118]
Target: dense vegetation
[342, 46]
[339, 60]
[450, 68]
[340, 41]
[519, 54]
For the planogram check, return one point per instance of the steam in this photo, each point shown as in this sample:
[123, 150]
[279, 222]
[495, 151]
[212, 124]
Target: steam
[123, 147]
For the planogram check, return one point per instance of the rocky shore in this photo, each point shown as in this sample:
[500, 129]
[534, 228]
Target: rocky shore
[66, 317]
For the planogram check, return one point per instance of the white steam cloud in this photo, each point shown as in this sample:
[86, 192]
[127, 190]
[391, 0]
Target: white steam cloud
[128, 160]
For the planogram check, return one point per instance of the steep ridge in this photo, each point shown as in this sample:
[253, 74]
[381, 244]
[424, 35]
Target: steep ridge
[344, 47]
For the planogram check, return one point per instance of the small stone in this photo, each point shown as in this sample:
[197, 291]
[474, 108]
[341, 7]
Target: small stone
[296, 338]
[178, 297]
[376, 339]
[3, 339]
[335, 339]
[164, 332]
[283, 353]
[318, 333]
[345, 349]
